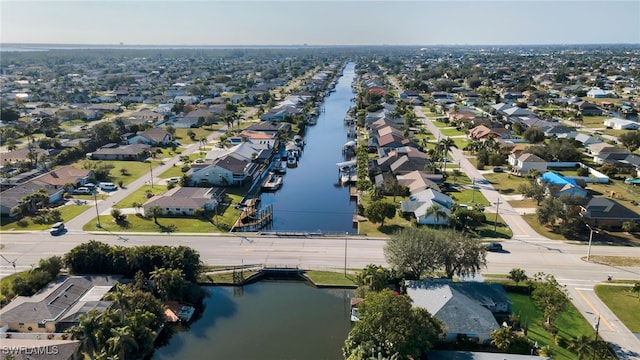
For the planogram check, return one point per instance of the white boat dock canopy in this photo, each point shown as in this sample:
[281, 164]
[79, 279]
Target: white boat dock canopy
[350, 163]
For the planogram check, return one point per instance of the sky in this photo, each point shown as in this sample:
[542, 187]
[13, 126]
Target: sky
[323, 22]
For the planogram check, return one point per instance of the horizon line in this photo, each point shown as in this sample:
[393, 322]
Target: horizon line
[308, 45]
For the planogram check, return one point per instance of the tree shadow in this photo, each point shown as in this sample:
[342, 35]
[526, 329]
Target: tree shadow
[389, 229]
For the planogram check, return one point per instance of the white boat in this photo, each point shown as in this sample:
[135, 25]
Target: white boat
[292, 161]
[273, 182]
[281, 168]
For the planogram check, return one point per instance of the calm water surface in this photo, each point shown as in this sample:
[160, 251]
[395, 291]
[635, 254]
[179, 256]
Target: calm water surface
[266, 320]
[311, 198]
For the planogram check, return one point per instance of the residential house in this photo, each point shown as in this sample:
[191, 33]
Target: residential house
[134, 152]
[586, 139]
[420, 205]
[482, 132]
[417, 181]
[597, 93]
[460, 314]
[559, 186]
[228, 170]
[268, 139]
[603, 212]
[12, 197]
[406, 164]
[148, 115]
[153, 137]
[588, 109]
[525, 162]
[184, 201]
[66, 175]
[270, 127]
[621, 124]
[58, 305]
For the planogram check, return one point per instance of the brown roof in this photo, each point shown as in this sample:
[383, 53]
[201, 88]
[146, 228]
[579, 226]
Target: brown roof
[64, 175]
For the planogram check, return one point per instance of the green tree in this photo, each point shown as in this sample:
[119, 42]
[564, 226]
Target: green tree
[438, 212]
[534, 135]
[412, 251]
[169, 283]
[636, 289]
[85, 332]
[502, 338]
[630, 226]
[122, 342]
[550, 296]
[517, 275]
[372, 278]
[581, 346]
[550, 211]
[630, 140]
[378, 211]
[460, 255]
[533, 190]
[391, 325]
[155, 212]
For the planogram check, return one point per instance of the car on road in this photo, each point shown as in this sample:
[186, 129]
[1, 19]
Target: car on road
[57, 228]
[173, 180]
[494, 246]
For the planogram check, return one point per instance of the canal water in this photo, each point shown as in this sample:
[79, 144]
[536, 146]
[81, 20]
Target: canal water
[266, 320]
[311, 198]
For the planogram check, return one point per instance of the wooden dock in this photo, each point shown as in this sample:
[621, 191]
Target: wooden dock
[253, 219]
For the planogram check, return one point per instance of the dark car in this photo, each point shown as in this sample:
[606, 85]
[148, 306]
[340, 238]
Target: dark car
[498, 169]
[57, 228]
[494, 246]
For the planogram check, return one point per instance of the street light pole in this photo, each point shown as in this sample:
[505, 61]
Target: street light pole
[597, 327]
[473, 190]
[151, 173]
[591, 231]
[95, 201]
[495, 223]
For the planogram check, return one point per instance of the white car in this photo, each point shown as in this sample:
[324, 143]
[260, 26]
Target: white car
[107, 186]
[82, 191]
[173, 180]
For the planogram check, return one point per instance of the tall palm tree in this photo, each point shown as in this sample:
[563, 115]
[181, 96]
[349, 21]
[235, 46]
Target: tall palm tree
[437, 212]
[581, 346]
[85, 332]
[121, 342]
[120, 297]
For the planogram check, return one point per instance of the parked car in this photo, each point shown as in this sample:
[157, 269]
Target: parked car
[173, 180]
[82, 190]
[107, 186]
[498, 169]
[57, 228]
[90, 185]
[494, 247]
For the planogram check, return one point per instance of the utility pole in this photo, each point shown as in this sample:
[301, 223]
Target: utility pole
[151, 173]
[95, 201]
[495, 223]
[345, 254]
[473, 190]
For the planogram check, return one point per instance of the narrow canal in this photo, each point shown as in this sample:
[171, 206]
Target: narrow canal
[266, 320]
[311, 198]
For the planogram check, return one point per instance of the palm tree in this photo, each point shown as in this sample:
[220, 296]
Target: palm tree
[169, 283]
[155, 212]
[120, 297]
[85, 332]
[580, 345]
[437, 212]
[121, 342]
[502, 338]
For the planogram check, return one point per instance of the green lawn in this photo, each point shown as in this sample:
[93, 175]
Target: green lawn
[390, 225]
[460, 143]
[505, 183]
[624, 304]
[139, 224]
[532, 220]
[174, 171]
[68, 212]
[134, 169]
[330, 277]
[140, 196]
[441, 124]
[468, 197]
[570, 324]
[452, 132]
[6, 287]
[594, 121]
[203, 132]
[502, 230]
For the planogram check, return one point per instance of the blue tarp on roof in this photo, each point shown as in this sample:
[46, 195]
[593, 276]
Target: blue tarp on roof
[557, 179]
